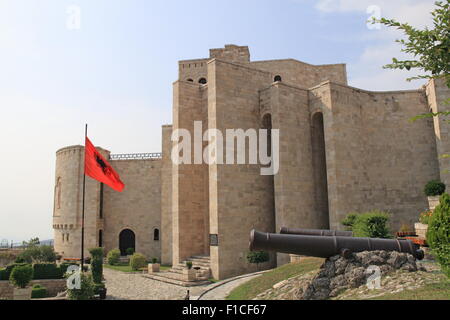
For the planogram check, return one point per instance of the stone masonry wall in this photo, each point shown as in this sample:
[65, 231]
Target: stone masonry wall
[137, 207]
[376, 157]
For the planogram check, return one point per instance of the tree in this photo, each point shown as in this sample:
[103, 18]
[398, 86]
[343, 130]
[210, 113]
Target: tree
[430, 47]
[31, 243]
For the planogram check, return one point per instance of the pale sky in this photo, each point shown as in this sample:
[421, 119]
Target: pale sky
[116, 71]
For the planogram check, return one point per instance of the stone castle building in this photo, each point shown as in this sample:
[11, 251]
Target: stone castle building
[342, 150]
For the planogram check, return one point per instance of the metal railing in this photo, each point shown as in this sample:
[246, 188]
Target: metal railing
[136, 156]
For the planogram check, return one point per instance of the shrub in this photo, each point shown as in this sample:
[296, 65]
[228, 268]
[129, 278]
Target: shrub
[257, 257]
[438, 234]
[38, 292]
[37, 254]
[6, 273]
[3, 274]
[154, 260]
[434, 188]
[349, 220]
[47, 271]
[137, 261]
[86, 292]
[21, 275]
[372, 224]
[130, 251]
[425, 217]
[97, 264]
[189, 264]
[113, 257]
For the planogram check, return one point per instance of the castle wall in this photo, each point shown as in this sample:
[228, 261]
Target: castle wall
[190, 181]
[437, 92]
[302, 74]
[376, 157]
[166, 196]
[192, 69]
[294, 183]
[238, 195]
[137, 207]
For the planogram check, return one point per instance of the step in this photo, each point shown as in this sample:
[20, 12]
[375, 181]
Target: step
[166, 278]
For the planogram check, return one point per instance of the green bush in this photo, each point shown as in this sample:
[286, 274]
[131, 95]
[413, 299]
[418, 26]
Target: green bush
[38, 292]
[3, 274]
[86, 292]
[257, 257]
[97, 264]
[189, 264]
[130, 251]
[6, 273]
[113, 257]
[137, 261]
[434, 188]
[37, 254]
[438, 234]
[47, 271]
[372, 224]
[154, 260]
[21, 276]
[349, 220]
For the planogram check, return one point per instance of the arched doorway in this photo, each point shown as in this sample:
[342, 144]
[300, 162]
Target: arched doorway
[320, 171]
[127, 240]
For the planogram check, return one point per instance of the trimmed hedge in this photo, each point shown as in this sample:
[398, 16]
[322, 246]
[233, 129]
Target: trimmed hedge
[113, 257]
[41, 271]
[47, 271]
[434, 188]
[38, 292]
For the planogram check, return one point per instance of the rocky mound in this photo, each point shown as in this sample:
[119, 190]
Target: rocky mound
[338, 274]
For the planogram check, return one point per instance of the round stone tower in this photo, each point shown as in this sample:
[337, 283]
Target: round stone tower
[68, 203]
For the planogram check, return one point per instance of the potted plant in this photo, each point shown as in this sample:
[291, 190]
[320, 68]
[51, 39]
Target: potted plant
[100, 289]
[422, 226]
[20, 278]
[154, 266]
[189, 273]
[433, 189]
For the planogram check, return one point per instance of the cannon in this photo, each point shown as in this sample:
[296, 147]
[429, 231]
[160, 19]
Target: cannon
[315, 232]
[325, 247]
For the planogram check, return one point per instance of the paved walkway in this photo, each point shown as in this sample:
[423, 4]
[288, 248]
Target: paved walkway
[133, 286]
[220, 290]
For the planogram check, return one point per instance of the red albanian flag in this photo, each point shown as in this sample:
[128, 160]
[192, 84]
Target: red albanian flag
[96, 167]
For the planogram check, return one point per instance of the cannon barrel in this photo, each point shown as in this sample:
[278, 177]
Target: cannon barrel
[325, 247]
[315, 232]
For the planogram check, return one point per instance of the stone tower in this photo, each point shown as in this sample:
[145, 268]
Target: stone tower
[68, 203]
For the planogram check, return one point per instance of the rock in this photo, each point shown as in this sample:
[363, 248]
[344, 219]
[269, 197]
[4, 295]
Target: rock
[339, 276]
[280, 284]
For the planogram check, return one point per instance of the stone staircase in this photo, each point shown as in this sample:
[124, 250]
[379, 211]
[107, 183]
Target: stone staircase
[175, 275]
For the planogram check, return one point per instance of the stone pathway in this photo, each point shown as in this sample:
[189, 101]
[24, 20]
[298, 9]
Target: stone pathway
[220, 290]
[133, 286]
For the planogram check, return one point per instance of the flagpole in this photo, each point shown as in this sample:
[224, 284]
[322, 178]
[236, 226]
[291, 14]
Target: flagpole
[84, 197]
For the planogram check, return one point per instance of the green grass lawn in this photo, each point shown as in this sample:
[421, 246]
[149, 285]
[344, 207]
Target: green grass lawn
[127, 268]
[433, 291]
[252, 288]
